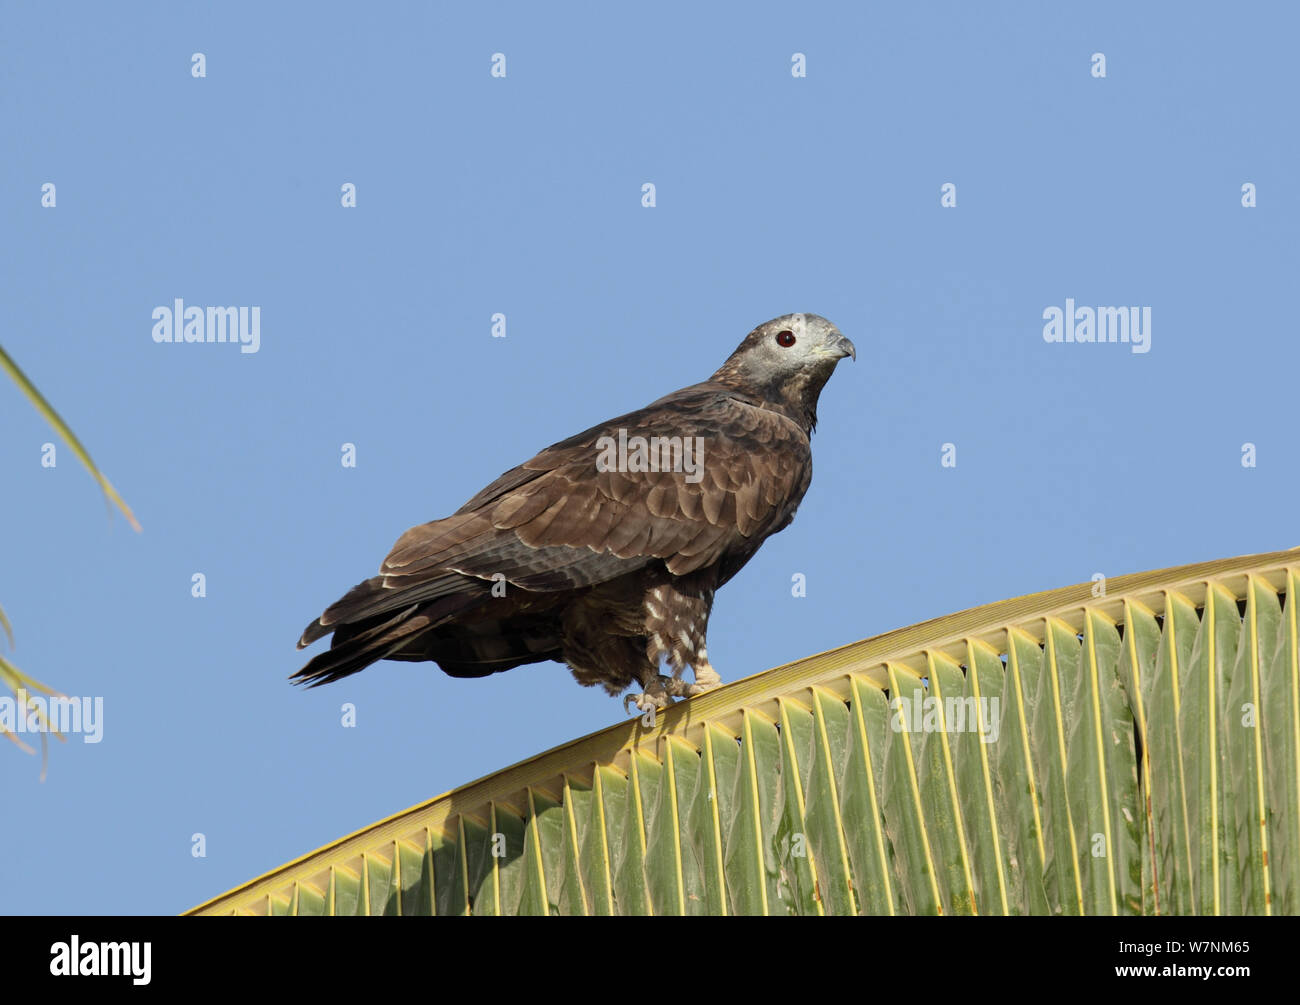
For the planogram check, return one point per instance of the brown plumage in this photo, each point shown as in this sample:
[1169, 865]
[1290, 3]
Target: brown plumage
[604, 552]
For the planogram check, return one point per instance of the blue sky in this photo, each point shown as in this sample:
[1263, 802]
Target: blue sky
[479, 195]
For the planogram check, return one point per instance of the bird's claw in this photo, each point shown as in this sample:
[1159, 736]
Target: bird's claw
[655, 696]
[662, 690]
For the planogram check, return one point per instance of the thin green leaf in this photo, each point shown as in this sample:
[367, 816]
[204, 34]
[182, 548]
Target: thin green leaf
[61, 427]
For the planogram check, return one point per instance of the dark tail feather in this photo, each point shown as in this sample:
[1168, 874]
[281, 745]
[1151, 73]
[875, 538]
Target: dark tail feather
[369, 599]
[358, 644]
[354, 647]
[337, 612]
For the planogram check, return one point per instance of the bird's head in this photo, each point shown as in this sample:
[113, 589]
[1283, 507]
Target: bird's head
[787, 361]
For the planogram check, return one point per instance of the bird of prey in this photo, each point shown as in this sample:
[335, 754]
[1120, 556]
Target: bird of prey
[604, 551]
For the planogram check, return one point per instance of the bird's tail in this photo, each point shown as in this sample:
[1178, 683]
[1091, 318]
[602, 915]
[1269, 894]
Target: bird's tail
[372, 636]
[350, 653]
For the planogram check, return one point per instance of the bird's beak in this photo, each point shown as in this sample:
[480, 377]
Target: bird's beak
[844, 347]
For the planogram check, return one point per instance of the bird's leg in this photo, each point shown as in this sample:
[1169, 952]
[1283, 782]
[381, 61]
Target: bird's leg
[655, 693]
[706, 678]
[676, 618]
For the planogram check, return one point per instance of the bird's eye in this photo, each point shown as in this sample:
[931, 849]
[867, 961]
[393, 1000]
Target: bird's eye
[785, 339]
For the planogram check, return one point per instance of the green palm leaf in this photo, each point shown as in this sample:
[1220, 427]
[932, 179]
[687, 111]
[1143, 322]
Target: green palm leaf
[61, 427]
[13, 678]
[1143, 758]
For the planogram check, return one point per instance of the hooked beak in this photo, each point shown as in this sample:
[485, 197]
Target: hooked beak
[844, 347]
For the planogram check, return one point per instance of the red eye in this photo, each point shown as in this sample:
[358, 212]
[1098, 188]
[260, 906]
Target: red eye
[785, 339]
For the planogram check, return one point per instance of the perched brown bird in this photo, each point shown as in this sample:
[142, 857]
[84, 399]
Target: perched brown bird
[604, 550]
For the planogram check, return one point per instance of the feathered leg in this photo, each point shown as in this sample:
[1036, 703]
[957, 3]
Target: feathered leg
[676, 623]
[706, 678]
[654, 694]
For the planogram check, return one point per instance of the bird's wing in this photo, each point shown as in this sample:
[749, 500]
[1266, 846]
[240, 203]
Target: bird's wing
[558, 521]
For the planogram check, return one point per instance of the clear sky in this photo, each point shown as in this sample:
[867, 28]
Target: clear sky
[478, 195]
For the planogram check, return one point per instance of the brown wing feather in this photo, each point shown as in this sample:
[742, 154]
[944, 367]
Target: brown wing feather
[756, 467]
[558, 523]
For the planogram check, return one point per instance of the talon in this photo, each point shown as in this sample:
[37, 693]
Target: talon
[656, 696]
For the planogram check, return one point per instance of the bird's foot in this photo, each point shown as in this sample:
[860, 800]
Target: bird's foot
[655, 696]
[706, 679]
